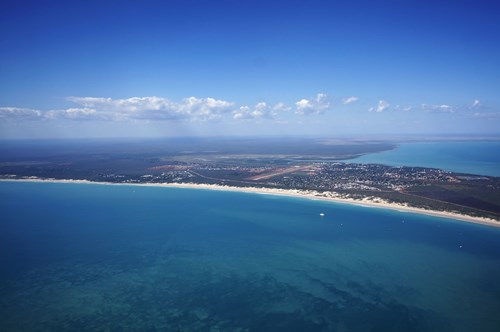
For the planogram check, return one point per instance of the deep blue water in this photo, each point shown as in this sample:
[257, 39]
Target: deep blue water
[96, 257]
[472, 157]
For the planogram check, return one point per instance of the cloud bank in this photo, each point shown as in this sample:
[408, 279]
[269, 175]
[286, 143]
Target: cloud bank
[195, 109]
[156, 108]
[18, 113]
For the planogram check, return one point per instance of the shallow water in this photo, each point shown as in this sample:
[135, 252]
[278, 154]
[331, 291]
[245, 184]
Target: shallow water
[96, 257]
[482, 158]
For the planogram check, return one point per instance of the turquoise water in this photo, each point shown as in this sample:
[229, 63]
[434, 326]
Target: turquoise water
[124, 258]
[481, 158]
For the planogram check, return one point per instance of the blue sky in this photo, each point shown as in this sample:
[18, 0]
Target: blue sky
[163, 68]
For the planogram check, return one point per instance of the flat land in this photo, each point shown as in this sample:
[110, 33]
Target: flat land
[305, 165]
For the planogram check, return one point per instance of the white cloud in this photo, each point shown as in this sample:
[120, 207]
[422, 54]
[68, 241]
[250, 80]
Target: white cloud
[157, 108]
[134, 104]
[438, 108]
[476, 104]
[259, 111]
[19, 113]
[203, 109]
[261, 106]
[194, 109]
[281, 107]
[403, 108]
[244, 112]
[78, 114]
[481, 111]
[349, 100]
[80, 111]
[317, 105]
[135, 108]
[382, 106]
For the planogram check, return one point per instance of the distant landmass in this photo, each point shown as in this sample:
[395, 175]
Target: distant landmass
[321, 165]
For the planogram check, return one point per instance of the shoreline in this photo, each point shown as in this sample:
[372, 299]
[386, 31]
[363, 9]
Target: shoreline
[304, 194]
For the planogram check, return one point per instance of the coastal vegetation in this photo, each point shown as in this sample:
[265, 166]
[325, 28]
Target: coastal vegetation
[308, 165]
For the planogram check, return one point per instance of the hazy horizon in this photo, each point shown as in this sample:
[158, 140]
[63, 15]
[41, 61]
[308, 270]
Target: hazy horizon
[346, 138]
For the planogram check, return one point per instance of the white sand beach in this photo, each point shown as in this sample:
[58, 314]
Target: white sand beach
[307, 194]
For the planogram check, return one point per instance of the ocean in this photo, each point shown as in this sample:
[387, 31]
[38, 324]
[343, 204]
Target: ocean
[85, 257]
[473, 157]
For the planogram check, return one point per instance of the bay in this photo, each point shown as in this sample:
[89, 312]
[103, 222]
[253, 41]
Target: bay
[473, 157]
[99, 257]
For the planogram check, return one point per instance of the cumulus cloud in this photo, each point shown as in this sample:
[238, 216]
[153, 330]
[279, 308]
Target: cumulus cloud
[157, 108]
[438, 108]
[135, 108]
[203, 109]
[281, 107]
[382, 106]
[259, 111]
[349, 100]
[245, 112]
[78, 114]
[19, 113]
[194, 109]
[316, 105]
